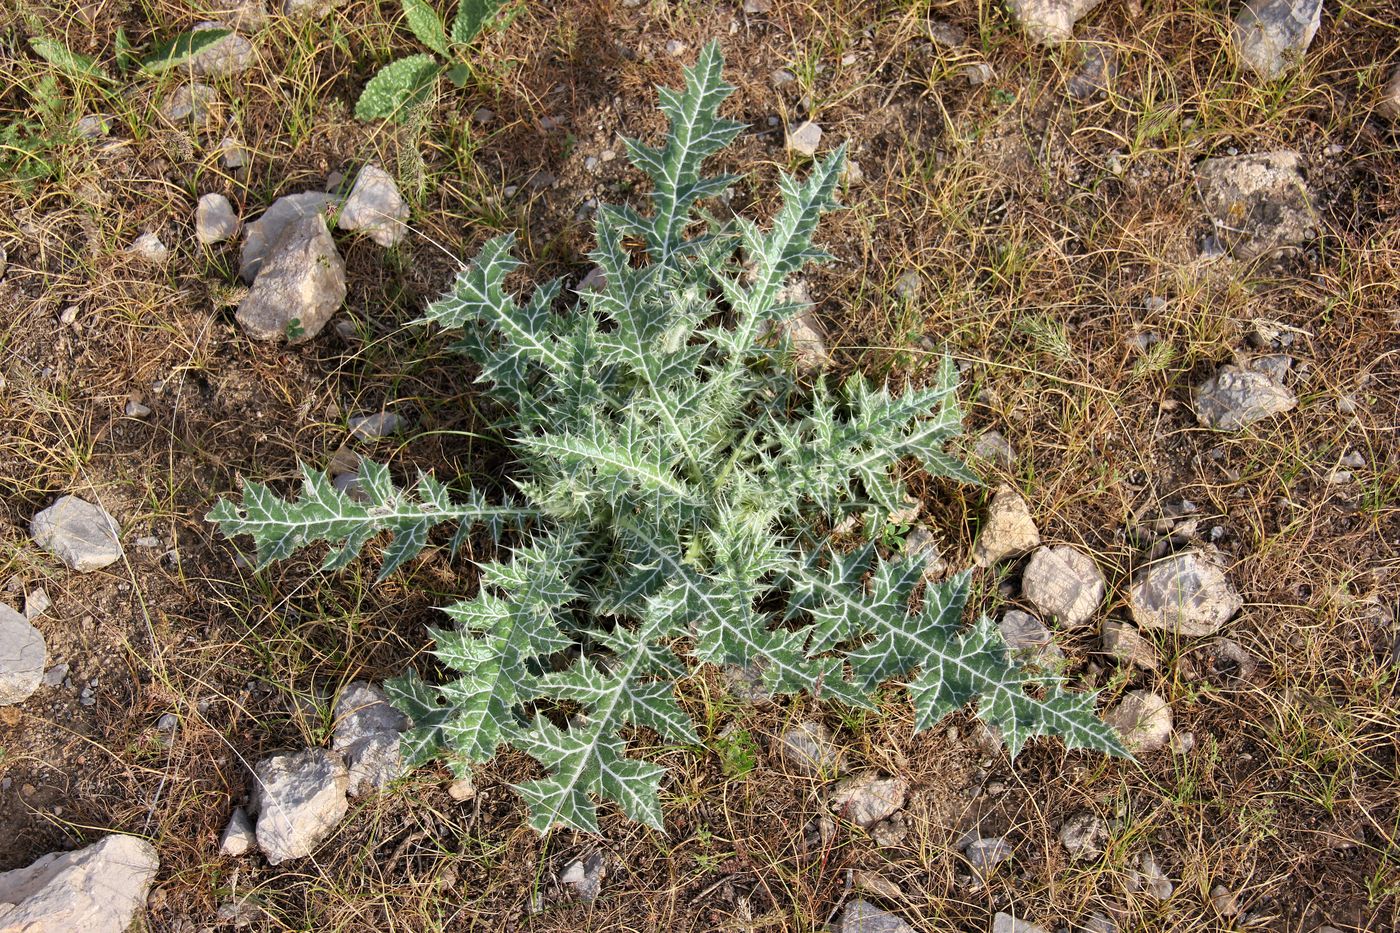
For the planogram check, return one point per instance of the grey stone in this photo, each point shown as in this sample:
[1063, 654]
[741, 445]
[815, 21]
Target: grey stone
[866, 799]
[921, 544]
[987, 853]
[375, 427]
[1235, 398]
[1028, 638]
[299, 288]
[98, 889]
[1006, 923]
[1064, 583]
[1225, 902]
[1050, 21]
[675, 47]
[239, 836]
[1097, 922]
[148, 246]
[804, 335]
[93, 126]
[804, 138]
[22, 657]
[375, 206]
[746, 683]
[462, 789]
[230, 55]
[1143, 719]
[755, 7]
[242, 911]
[595, 281]
[1389, 103]
[36, 603]
[233, 153]
[586, 876]
[349, 483]
[1095, 73]
[1009, 530]
[1084, 836]
[80, 534]
[56, 675]
[1271, 36]
[993, 447]
[214, 219]
[263, 233]
[298, 799]
[811, 748]
[1149, 878]
[309, 9]
[1259, 202]
[1186, 593]
[246, 16]
[864, 917]
[135, 409]
[366, 735]
[1126, 645]
[190, 102]
[978, 74]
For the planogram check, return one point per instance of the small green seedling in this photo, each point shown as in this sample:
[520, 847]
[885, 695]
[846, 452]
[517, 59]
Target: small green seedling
[402, 84]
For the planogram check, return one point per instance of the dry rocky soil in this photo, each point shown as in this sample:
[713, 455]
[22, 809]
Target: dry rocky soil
[1161, 240]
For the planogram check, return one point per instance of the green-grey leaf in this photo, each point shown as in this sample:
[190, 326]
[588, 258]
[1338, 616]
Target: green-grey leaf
[179, 49]
[66, 60]
[471, 16]
[397, 88]
[426, 24]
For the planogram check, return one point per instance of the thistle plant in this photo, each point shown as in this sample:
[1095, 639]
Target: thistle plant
[676, 482]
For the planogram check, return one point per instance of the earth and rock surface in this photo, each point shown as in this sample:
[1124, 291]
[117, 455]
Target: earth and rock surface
[1160, 243]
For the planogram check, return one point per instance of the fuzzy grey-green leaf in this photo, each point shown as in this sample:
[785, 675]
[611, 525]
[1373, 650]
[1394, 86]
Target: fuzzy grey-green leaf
[397, 87]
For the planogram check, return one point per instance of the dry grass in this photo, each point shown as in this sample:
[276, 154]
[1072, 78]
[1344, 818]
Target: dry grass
[1034, 264]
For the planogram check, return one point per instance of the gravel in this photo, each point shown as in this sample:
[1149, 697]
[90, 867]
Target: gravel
[1009, 530]
[1259, 202]
[1186, 593]
[1235, 398]
[98, 889]
[810, 747]
[375, 207]
[805, 138]
[299, 288]
[23, 655]
[80, 534]
[366, 734]
[866, 799]
[298, 799]
[1064, 583]
[1271, 36]
[215, 220]
[1144, 720]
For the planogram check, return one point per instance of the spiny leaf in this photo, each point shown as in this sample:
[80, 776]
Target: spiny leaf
[280, 527]
[429, 710]
[397, 88]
